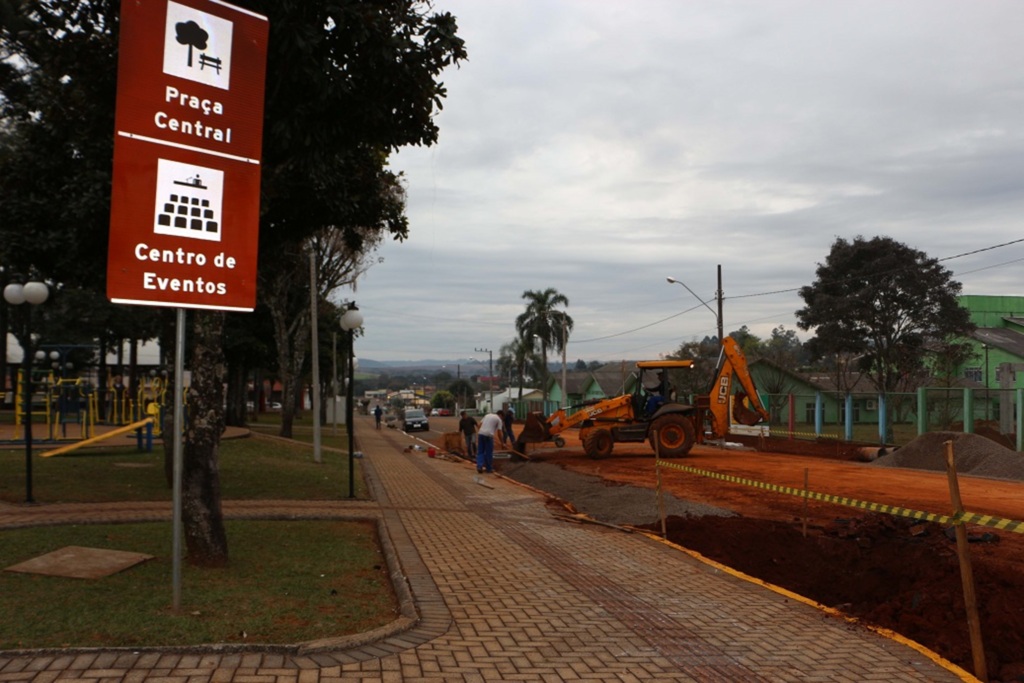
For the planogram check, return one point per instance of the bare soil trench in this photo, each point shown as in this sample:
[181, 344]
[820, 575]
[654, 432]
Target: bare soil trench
[886, 570]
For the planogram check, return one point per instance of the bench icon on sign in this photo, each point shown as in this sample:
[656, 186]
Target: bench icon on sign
[205, 61]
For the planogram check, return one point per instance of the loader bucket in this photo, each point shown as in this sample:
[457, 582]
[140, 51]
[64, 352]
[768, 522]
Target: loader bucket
[535, 430]
[741, 413]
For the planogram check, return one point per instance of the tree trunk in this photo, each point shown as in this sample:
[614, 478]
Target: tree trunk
[101, 382]
[205, 537]
[238, 394]
[291, 336]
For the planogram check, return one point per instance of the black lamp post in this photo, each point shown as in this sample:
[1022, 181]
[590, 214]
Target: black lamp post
[33, 293]
[351, 320]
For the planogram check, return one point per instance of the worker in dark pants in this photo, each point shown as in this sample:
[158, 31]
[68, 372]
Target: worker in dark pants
[467, 425]
[509, 419]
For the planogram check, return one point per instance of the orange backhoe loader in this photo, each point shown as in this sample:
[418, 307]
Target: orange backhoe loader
[651, 409]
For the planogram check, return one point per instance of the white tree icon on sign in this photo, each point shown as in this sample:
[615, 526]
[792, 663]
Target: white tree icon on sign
[197, 46]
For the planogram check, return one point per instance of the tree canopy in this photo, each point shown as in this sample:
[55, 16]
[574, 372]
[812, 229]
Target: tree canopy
[883, 303]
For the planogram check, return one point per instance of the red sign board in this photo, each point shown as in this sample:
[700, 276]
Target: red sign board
[184, 218]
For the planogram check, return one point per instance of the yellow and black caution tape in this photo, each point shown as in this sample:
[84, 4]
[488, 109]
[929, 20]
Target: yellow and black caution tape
[779, 431]
[964, 518]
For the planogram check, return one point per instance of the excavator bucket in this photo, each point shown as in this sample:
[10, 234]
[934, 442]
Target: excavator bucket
[741, 413]
[535, 430]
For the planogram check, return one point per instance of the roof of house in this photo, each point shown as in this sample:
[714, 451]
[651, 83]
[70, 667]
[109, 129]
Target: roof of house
[610, 377]
[1002, 338]
[576, 381]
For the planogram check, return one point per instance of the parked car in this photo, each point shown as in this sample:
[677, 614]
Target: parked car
[413, 419]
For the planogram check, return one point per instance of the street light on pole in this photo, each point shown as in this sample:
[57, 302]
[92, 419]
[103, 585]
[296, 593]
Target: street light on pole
[718, 296]
[351, 320]
[32, 293]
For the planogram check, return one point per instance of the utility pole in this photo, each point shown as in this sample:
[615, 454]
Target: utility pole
[565, 389]
[490, 373]
[718, 295]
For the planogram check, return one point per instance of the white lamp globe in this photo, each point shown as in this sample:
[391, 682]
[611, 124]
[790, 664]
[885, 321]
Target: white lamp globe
[36, 292]
[352, 319]
[14, 294]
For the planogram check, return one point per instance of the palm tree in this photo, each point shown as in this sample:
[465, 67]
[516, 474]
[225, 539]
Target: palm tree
[516, 356]
[542, 322]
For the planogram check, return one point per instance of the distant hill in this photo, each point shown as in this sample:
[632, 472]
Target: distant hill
[368, 364]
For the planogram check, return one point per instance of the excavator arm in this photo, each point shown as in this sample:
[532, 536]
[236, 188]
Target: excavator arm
[732, 366]
[537, 429]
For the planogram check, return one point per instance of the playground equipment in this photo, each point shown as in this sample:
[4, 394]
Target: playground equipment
[62, 402]
[123, 409]
[142, 428]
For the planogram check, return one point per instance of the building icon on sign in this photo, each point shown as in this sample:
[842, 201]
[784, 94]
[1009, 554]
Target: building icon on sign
[188, 201]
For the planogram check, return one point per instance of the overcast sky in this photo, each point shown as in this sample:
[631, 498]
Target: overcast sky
[598, 147]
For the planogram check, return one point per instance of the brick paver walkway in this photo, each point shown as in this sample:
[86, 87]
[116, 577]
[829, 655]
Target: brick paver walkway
[496, 588]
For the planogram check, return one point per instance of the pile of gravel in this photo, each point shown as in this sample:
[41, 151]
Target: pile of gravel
[973, 454]
[604, 501]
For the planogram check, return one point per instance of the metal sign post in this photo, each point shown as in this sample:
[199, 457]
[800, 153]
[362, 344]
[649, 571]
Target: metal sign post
[179, 425]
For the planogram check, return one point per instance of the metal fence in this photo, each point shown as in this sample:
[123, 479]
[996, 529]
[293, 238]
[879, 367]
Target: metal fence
[896, 419]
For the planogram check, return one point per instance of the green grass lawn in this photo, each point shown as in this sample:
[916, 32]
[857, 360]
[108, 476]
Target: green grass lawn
[250, 468]
[287, 581]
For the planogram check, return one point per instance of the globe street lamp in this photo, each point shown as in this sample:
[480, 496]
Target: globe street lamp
[32, 293]
[718, 296]
[351, 320]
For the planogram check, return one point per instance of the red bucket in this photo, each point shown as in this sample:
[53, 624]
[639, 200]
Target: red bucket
[431, 452]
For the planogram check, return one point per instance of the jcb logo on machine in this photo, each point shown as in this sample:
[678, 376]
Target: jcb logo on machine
[723, 390]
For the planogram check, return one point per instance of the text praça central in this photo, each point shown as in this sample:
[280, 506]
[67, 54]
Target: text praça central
[196, 128]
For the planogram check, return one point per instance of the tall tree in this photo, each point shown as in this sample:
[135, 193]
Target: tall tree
[286, 285]
[463, 393]
[783, 348]
[698, 379]
[882, 302]
[543, 322]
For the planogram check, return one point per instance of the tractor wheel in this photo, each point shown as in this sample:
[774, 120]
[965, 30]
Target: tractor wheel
[676, 435]
[598, 443]
[559, 442]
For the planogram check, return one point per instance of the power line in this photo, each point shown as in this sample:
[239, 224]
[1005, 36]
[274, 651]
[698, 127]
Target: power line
[797, 289]
[406, 314]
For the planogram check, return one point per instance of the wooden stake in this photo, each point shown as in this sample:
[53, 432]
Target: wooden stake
[657, 487]
[807, 474]
[966, 573]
